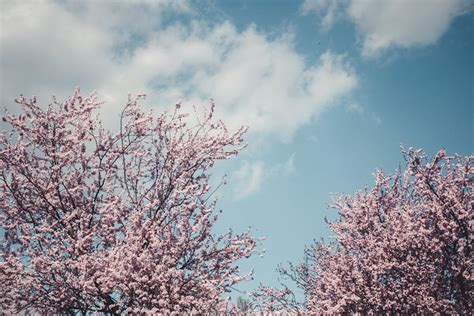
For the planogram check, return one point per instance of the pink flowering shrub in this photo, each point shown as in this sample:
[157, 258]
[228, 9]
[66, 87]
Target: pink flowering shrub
[403, 246]
[95, 221]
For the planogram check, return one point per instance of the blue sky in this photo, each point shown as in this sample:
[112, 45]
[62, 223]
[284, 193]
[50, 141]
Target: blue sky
[330, 89]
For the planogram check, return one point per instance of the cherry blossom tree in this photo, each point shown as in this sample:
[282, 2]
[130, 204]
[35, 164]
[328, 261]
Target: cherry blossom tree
[403, 246]
[96, 221]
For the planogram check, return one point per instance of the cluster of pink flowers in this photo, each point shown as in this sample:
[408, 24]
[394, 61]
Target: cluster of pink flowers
[402, 246]
[95, 221]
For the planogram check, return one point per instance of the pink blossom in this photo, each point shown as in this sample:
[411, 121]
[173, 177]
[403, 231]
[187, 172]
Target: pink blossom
[403, 246]
[124, 226]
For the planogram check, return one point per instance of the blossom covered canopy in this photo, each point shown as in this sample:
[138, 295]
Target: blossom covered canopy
[403, 246]
[113, 222]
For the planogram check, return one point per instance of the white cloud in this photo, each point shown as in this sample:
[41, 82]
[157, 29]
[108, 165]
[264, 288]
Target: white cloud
[391, 24]
[402, 23]
[255, 81]
[51, 47]
[46, 50]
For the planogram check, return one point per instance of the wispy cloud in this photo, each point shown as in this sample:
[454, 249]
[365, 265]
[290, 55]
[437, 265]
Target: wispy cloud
[286, 168]
[377, 119]
[355, 108]
[358, 109]
[251, 176]
[328, 11]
